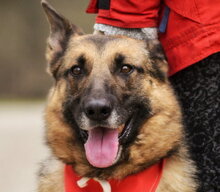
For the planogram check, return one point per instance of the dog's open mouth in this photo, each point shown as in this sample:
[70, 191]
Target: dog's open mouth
[102, 145]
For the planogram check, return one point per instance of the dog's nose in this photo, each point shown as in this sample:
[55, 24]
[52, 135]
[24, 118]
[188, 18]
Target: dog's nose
[98, 109]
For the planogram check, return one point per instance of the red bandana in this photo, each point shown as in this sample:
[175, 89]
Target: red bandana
[144, 181]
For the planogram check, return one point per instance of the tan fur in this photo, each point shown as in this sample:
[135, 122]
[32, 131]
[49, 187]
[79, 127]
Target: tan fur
[177, 174]
[161, 135]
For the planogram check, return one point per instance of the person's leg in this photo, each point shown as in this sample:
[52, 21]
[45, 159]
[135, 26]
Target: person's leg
[198, 88]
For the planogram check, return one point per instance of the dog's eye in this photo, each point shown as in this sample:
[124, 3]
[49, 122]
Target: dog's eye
[126, 69]
[76, 70]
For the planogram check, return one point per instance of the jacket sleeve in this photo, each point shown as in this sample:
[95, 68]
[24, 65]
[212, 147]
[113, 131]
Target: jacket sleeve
[126, 13]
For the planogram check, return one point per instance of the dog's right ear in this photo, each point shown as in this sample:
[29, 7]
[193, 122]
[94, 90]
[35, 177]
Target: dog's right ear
[60, 32]
[158, 59]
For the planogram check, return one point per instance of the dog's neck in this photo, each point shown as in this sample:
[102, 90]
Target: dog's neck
[146, 180]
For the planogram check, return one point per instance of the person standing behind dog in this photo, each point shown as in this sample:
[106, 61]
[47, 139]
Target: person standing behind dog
[190, 35]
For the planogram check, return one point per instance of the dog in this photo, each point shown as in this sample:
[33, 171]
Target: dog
[111, 113]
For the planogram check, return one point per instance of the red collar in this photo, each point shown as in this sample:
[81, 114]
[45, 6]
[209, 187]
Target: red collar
[144, 181]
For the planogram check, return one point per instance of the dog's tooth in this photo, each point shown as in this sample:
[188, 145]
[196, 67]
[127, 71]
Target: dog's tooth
[119, 154]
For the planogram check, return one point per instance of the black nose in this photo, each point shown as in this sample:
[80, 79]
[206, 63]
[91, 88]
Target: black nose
[97, 109]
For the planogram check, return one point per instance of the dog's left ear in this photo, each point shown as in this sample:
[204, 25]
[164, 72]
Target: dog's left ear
[60, 32]
[157, 56]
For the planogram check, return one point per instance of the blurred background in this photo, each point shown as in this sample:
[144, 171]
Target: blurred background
[24, 85]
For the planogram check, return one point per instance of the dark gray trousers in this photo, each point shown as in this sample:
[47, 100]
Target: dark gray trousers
[198, 89]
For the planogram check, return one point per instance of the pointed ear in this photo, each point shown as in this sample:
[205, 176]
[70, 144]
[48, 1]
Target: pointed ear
[158, 58]
[60, 32]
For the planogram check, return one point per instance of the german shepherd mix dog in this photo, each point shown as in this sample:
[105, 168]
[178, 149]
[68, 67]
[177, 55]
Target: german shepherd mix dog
[111, 113]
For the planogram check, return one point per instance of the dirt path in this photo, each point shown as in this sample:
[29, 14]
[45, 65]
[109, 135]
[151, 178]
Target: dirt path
[21, 146]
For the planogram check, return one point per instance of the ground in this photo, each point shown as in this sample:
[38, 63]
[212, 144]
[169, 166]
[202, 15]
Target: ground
[21, 145]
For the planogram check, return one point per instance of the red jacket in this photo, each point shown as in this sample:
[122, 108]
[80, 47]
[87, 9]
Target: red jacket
[193, 28]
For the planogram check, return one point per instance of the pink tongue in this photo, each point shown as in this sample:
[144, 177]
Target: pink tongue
[102, 147]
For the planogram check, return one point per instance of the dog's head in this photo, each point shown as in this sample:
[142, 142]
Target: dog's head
[111, 111]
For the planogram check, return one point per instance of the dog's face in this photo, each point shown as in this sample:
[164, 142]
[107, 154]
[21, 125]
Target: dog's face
[111, 111]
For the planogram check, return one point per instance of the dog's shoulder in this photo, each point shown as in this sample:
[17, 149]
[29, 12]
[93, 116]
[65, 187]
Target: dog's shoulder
[179, 173]
[51, 175]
